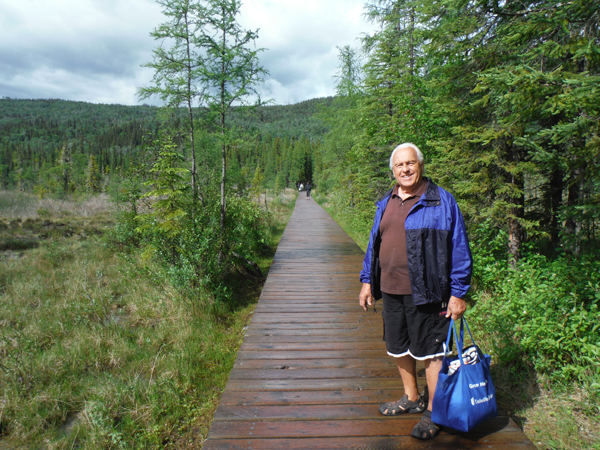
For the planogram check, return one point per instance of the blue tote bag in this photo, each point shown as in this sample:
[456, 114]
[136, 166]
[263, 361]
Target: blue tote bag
[465, 395]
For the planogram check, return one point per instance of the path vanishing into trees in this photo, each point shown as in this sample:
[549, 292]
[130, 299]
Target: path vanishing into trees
[313, 369]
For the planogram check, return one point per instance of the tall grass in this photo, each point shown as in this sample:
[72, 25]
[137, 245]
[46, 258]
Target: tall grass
[20, 205]
[99, 351]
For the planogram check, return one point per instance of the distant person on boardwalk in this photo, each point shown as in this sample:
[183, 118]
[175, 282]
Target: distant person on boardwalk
[300, 187]
[418, 260]
[308, 188]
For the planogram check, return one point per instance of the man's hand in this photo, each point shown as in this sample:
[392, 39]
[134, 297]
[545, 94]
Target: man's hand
[365, 299]
[456, 308]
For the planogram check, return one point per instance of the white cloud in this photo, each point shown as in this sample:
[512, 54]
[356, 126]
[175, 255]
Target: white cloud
[301, 40]
[91, 50]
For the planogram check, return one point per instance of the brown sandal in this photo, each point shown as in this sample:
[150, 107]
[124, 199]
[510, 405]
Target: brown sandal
[426, 428]
[402, 406]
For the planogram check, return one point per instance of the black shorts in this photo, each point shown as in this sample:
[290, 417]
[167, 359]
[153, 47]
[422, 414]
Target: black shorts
[420, 331]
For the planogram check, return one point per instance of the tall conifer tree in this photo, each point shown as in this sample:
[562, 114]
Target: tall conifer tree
[230, 71]
[178, 68]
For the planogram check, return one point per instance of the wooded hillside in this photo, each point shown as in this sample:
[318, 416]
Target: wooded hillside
[34, 133]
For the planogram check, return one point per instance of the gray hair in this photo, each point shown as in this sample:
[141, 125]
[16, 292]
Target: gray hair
[407, 145]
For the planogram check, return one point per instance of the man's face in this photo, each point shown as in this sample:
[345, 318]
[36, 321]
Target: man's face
[407, 169]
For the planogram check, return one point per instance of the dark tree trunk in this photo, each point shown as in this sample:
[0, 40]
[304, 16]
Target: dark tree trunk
[555, 192]
[515, 236]
[573, 226]
[516, 233]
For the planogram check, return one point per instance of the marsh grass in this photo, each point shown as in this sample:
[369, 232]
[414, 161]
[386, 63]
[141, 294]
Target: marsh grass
[97, 350]
[281, 207]
[26, 220]
[21, 205]
[556, 420]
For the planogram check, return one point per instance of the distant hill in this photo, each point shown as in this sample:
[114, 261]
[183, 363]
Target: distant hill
[56, 120]
[33, 132]
[287, 121]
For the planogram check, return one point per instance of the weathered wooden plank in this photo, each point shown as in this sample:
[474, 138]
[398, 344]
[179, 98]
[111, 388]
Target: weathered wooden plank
[355, 364]
[293, 338]
[357, 384]
[373, 443]
[282, 412]
[324, 345]
[303, 308]
[367, 322]
[287, 373]
[384, 426]
[370, 326]
[315, 354]
[495, 441]
[308, 318]
[272, 330]
[248, 398]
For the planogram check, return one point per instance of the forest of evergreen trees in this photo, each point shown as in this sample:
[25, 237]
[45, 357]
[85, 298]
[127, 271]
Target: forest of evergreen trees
[503, 98]
[57, 147]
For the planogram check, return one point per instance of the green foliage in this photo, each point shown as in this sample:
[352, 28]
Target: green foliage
[93, 178]
[513, 82]
[168, 188]
[377, 111]
[257, 183]
[127, 196]
[279, 184]
[177, 68]
[349, 77]
[171, 229]
[544, 311]
[290, 122]
[45, 145]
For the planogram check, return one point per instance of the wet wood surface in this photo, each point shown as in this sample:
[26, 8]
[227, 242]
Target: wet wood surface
[313, 368]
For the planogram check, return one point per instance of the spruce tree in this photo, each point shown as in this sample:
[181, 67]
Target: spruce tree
[230, 72]
[93, 176]
[178, 68]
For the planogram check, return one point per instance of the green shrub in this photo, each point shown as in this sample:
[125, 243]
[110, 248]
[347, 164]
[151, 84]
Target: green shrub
[544, 312]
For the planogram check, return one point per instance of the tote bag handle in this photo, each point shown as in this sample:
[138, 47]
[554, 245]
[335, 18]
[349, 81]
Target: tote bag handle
[460, 342]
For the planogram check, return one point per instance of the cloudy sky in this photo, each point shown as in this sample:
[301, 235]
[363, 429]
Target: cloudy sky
[91, 50]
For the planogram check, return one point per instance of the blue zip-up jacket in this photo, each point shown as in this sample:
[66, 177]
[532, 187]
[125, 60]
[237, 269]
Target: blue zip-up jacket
[439, 257]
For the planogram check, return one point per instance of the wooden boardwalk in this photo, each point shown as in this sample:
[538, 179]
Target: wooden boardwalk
[313, 369]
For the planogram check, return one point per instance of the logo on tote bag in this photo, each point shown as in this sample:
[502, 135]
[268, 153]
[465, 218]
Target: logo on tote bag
[481, 400]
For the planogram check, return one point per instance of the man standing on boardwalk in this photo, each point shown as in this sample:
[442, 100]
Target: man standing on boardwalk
[418, 260]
